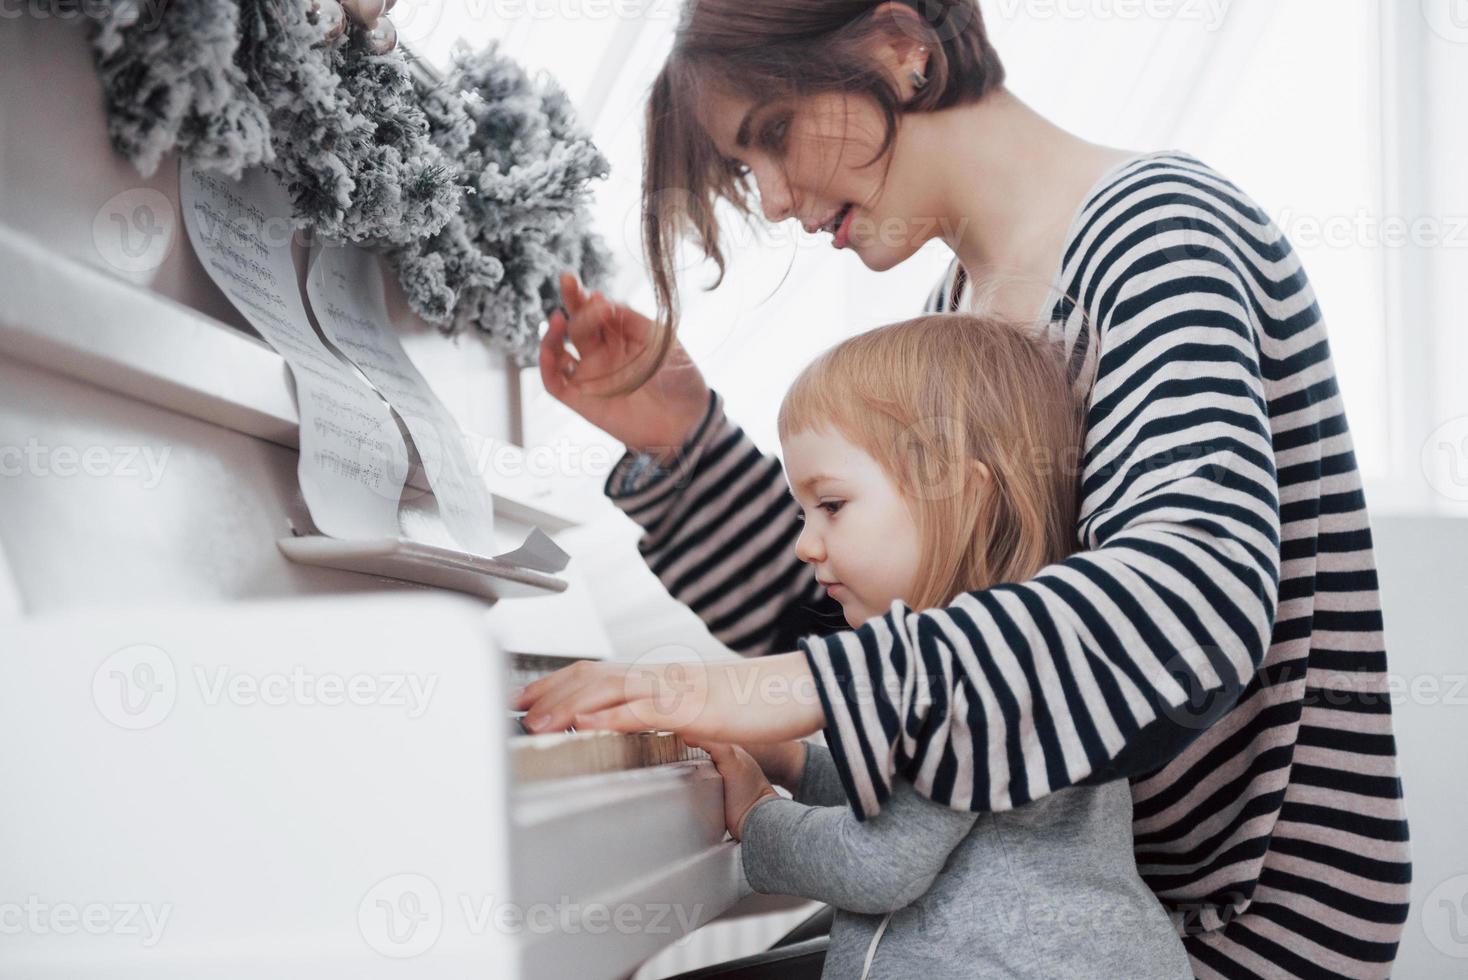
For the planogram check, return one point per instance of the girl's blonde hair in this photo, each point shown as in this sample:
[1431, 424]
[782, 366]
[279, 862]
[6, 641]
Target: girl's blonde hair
[929, 397]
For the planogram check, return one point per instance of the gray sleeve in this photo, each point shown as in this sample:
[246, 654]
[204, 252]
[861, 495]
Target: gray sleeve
[871, 866]
[820, 781]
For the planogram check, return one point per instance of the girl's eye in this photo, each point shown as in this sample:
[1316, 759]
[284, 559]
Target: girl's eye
[829, 506]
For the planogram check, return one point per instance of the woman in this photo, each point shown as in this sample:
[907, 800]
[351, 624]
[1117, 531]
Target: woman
[1217, 639]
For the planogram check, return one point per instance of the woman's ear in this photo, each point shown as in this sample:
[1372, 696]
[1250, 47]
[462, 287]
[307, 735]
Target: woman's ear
[904, 49]
[982, 471]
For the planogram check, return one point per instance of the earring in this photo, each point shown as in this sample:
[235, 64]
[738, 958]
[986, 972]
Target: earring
[918, 78]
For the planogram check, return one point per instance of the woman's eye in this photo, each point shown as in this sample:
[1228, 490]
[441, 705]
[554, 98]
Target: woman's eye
[830, 506]
[775, 135]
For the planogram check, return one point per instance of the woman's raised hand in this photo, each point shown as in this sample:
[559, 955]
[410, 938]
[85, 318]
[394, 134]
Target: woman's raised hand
[613, 342]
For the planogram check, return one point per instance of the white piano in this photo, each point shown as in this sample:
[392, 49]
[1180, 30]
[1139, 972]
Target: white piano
[219, 762]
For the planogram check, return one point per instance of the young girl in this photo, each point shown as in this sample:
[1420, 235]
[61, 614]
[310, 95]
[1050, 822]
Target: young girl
[930, 458]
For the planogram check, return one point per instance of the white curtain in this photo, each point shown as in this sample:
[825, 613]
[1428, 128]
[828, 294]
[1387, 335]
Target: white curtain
[1322, 110]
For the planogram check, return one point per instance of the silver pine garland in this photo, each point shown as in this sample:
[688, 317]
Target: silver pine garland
[477, 190]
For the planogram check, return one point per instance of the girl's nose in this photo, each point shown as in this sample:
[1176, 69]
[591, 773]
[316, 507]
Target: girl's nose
[809, 548]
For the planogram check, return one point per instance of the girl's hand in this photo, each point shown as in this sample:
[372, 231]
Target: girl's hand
[762, 699]
[783, 762]
[744, 783]
[614, 343]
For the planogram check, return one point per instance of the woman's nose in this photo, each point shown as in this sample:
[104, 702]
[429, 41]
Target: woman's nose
[774, 194]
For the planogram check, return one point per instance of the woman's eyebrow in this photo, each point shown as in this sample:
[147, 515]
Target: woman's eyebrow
[741, 138]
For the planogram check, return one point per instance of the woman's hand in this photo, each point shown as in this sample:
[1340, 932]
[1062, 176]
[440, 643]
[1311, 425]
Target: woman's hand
[744, 783]
[782, 762]
[614, 342]
[764, 699]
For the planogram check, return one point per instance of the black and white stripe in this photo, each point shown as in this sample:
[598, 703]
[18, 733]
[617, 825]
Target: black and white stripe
[1219, 641]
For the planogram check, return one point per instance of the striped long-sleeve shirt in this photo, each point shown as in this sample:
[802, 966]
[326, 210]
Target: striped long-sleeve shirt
[1218, 640]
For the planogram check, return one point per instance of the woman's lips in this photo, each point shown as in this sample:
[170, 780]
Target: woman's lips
[843, 230]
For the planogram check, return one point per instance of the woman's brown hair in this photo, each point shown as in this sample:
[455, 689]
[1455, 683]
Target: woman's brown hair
[930, 397]
[768, 50]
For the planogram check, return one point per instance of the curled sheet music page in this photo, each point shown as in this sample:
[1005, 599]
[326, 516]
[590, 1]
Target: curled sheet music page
[346, 290]
[353, 458]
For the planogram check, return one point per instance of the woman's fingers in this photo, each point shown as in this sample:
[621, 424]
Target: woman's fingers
[571, 295]
[554, 701]
[724, 701]
[634, 716]
[557, 365]
[588, 326]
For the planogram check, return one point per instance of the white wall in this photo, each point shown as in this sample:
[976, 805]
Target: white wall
[1423, 566]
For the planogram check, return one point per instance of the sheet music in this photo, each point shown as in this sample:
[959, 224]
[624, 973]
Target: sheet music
[10, 605]
[353, 459]
[346, 291]
[539, 552]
